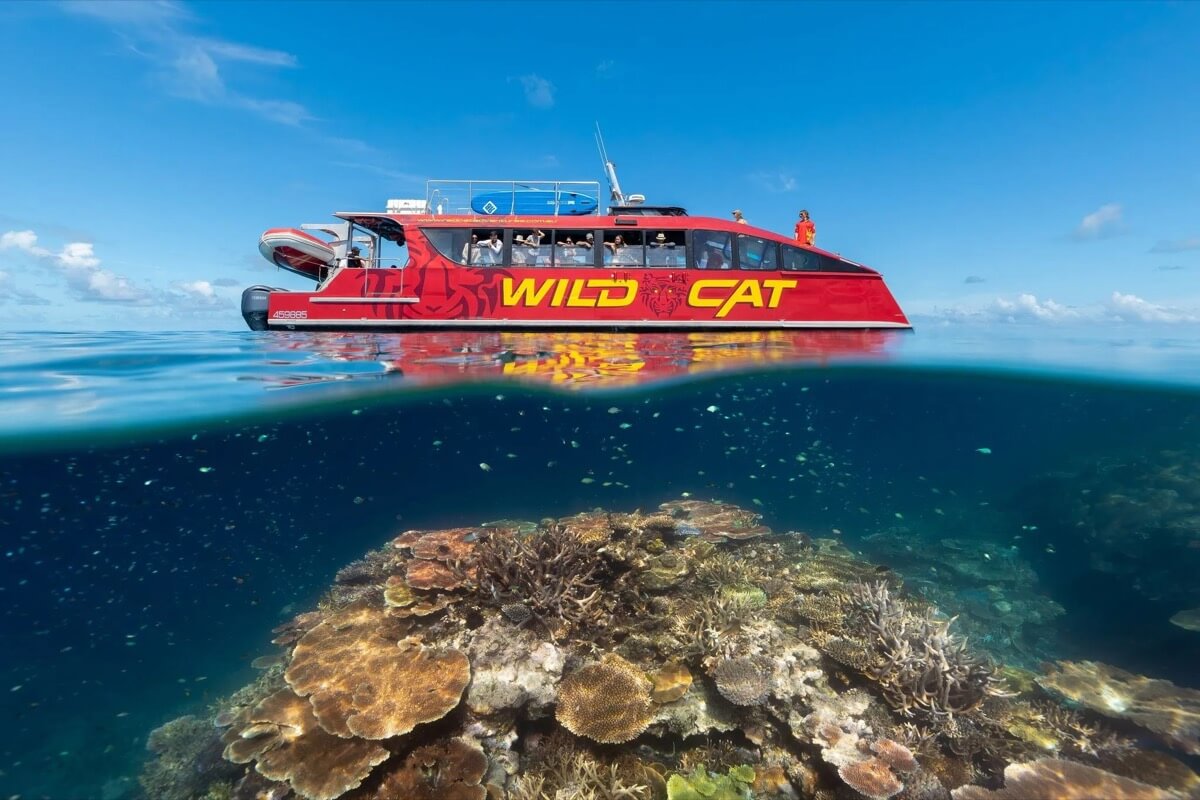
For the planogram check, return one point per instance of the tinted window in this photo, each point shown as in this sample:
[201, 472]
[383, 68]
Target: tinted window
[754, 252]
[624, 248]
[452, 243]
[574, 248]
[801, 259]
[666, 249]
[712, 250]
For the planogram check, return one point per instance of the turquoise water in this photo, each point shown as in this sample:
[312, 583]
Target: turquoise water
[169, 499]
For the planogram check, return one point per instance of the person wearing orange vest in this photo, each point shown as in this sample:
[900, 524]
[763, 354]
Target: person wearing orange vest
[806, 229]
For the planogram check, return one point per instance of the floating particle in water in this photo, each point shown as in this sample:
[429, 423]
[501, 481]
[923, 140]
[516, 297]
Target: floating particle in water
[984, 451]
[486, 467]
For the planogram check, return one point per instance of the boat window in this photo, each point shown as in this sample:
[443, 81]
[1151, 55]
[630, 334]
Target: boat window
[531, 248]
[798, 258]
[712, 250]
[574, 248]
[666, 249]
[451, 243]
[624, 248]
[755, 252]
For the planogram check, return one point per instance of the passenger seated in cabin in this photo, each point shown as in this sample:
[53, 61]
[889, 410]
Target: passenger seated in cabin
[715, 260]
[353, 259]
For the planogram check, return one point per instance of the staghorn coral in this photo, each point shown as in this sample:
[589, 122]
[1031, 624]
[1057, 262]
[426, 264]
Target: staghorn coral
[1170, 711]
[608, 701]
[282, 736]
[921, 666]
[1055, 779]
[363, 680]
[743, 681]
[557, 575]
[871, 778]
[450, 769]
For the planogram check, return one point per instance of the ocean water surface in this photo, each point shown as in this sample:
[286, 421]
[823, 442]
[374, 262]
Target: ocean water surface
[170, 499]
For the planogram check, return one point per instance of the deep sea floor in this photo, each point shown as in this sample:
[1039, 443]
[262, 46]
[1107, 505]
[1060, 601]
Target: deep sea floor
[145, 566]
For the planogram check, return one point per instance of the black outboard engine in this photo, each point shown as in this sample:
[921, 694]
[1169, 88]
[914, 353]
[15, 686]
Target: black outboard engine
[254, 307]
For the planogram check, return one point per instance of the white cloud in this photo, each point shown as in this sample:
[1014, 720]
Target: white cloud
[1130, 307]
[1100, 224]
[774, 181]
[539, 92]
[78, 255]
[1029, 308]
[22, 240]
[78, 264]
[189, 66]
[1177, 245]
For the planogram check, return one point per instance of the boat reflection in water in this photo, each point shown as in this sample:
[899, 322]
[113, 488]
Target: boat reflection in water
[580, 359]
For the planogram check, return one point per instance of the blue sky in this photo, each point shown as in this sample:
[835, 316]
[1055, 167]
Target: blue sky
[995, 161]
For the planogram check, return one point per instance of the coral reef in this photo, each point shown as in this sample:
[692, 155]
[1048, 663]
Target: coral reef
[672, 655]
[1160, 706]
[1055, 779]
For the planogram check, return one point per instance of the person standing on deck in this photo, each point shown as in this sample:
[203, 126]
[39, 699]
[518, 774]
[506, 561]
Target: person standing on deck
[806, 229]
[738, 218]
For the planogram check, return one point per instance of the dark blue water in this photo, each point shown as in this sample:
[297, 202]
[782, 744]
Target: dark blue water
[167, 500]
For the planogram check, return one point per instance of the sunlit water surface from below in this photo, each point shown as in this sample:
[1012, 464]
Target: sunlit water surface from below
[170, 498]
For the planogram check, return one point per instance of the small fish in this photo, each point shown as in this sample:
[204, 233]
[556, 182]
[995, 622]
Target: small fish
[486, 467]
[986, 451]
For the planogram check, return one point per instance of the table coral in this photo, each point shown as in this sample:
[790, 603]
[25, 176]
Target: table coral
[363, 681]
[1055, 779]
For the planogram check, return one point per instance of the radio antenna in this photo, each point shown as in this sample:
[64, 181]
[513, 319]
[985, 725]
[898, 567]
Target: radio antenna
[610, 170]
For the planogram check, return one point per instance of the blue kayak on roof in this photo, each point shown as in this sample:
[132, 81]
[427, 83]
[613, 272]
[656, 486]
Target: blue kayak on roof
[533, 202]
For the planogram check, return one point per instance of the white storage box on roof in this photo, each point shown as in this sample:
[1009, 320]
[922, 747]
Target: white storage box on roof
[397, 206]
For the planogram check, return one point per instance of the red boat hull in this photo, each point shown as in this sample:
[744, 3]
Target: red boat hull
[432, 291]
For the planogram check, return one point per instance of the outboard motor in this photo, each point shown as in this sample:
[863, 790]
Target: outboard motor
[254, 307]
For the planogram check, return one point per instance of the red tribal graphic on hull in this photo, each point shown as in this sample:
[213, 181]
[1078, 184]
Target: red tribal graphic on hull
[662, 294]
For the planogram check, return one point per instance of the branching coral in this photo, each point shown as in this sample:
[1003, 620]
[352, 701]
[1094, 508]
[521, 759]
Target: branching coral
[920, 665]
[557, 575]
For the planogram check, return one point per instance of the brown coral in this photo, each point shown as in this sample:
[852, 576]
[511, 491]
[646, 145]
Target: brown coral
[1055, 779]
[871, 778]
[425, 574]
[591, 527]
[608, 701]
[743, 681]
[447, 770]
[1160, 706]
[670, 683]
[450, 545]
[363, 681]
[714, 522]
[895, 755]
[282, 735]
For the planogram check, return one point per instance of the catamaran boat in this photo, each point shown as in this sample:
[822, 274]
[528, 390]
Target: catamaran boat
[527, 255]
